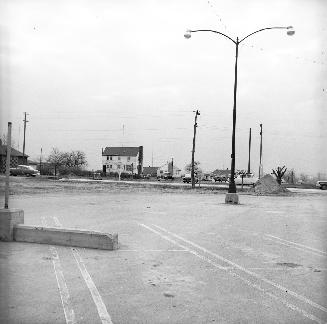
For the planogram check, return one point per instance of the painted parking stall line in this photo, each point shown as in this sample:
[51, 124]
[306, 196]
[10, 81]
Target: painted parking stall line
[302, 246]
[101, 307]
[253, 274]
[97, 299]
[61, 282]
[234, 274]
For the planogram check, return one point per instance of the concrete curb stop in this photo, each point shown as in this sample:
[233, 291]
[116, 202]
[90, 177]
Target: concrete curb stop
[12, 228]
[66, 237]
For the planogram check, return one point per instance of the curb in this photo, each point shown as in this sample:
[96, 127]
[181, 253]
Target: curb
[65, 237]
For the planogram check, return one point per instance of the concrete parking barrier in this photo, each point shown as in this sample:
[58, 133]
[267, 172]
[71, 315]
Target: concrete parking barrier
[65, 237]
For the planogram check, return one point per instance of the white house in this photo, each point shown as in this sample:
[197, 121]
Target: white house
[122, 160]
[167, 168]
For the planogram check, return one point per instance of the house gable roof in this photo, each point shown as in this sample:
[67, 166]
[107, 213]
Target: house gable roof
[121, 151]
[3, 151]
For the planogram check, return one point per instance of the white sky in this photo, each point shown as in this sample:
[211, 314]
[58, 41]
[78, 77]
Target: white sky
[83, 69]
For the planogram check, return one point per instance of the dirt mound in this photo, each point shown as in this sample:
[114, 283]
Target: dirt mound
[268, 185]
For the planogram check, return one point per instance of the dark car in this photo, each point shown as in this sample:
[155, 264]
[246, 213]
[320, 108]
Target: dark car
[220, 178]
[24, 170]
[188, 178]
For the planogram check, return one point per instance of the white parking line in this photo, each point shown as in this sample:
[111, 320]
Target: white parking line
[101, 307]
[297, 244]
[294, 294]
[278, 240]
[293, 247]
[251, 284]
[61, 282]
[63, 289]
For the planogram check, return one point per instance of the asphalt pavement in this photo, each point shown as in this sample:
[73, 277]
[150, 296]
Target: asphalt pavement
[184, 257]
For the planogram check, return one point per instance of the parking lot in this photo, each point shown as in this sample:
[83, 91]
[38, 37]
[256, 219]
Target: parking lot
[184, 257]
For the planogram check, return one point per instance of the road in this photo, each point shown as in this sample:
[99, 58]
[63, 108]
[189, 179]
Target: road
[184, 257]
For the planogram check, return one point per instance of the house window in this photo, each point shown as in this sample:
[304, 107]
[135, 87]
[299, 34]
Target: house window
[110, 166]
[118, 166]
[128, 158]
[107, 157]
[118, 158]
[110, 158]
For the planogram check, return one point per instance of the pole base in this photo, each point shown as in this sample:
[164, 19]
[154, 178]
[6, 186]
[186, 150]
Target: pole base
[231, 198]
[8, 219]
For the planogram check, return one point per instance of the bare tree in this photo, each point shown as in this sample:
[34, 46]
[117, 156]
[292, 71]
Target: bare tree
[279, 173]
[74, 159]
[197, 168]
[56, 159]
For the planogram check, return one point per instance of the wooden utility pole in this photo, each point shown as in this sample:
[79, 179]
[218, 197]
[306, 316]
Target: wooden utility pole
[260, 163]
[172, 167]
[193, 149]
[25, 121]
[249, 164]
[41, 161]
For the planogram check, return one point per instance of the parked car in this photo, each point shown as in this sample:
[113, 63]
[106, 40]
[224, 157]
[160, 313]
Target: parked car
[165, 176]
[97, 175]
[24, 170]
[322, 184]
[220, 179]
[248, 179]
[188, 179]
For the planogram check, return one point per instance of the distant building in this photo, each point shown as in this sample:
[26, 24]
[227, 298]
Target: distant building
[123, 160]
[16, 158]
[221, 173]
[152, 171]
[170, 168]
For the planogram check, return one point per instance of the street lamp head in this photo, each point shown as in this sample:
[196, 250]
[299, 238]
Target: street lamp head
[187, 34]
[290, 31]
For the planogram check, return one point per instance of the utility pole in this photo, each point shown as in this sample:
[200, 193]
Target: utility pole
[260, 164]
[197, 113]
[41, 162]
[172, 167]
[25, 121]
[249, 164]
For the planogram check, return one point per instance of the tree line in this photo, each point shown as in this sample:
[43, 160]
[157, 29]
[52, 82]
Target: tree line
[66, 162]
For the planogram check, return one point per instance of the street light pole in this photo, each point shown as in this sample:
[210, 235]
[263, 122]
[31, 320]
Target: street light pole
[249, 163]
[232, 186]
[231, 196]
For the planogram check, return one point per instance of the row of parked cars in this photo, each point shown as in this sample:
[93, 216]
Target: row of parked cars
[245, 179]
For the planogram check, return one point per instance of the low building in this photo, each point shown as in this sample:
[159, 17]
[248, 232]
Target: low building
[128, 160]
[169, 168]
[150, 171]
[16, 158]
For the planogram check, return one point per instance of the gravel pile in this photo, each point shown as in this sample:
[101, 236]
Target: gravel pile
[268, 185]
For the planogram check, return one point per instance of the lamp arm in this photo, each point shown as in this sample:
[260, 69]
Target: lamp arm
[213, 31]
[260, 31]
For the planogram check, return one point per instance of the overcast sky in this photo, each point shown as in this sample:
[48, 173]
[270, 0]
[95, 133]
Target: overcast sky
[97, 73]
